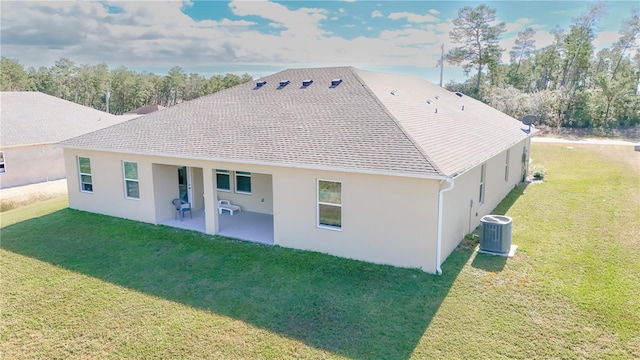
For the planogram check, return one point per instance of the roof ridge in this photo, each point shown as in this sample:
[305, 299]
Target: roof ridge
[396, 122]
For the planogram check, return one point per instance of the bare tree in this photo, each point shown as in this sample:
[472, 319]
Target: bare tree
[524, 47]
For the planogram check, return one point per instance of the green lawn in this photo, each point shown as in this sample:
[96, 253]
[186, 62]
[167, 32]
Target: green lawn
[80, 285]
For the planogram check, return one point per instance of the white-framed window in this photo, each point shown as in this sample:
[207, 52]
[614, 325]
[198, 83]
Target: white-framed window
[131, 184]
[506, 165]
[86, 180]
[2, 168]
[243, 182]
[223, 180]
[329, 214]
[483, 172]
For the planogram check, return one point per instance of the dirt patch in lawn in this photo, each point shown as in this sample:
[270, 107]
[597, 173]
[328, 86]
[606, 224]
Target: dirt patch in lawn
[14, 197]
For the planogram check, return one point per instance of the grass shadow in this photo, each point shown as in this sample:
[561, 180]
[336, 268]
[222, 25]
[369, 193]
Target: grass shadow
[489, 262]
[347, 307]
[510, 199]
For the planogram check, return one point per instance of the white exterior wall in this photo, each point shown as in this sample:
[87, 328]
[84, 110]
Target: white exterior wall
[385, 219]
[108, 196]
[165, 190]
[461, 210]
[31, 164]
[261, 198]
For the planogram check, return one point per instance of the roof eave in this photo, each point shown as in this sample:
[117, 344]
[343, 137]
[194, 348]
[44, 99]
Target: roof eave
[266, 163]
[484, 159]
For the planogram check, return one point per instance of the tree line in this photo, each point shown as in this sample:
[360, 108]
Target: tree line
[565, 84]
[118, 90]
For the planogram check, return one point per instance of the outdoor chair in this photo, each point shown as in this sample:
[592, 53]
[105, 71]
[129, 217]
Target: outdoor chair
[227, 205]
[181, 208]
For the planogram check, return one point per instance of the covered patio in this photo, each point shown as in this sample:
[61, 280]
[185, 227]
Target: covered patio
[245, 225]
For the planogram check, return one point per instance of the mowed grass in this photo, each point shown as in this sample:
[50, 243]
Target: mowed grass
[80, 285]
[573, 288]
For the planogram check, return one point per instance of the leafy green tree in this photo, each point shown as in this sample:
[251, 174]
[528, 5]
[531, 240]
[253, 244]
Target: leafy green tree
[174, 85]
[578, 45]
[64, 73]
[478, 39]
[89, 84]
[12, 76]
[122, 90]
[629, 33]
[41, 80]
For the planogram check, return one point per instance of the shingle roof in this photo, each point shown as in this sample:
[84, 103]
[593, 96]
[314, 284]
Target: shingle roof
[146, 109]
[462, 133]
[353, 126]
[30, 117]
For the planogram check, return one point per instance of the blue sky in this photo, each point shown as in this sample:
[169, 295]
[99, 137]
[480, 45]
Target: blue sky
[262, 37]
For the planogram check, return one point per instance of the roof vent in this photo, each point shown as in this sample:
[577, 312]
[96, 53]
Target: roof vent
[393, 92]
[459, 94]
[336, 82]
[437, 97]
[429, 101]
[260, 84]
[306, 83]
[462, 107]
[284, 83]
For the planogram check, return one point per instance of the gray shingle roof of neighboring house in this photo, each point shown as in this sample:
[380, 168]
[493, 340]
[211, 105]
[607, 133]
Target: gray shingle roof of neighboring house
[30, 117]
[357, 125]
[145, 109]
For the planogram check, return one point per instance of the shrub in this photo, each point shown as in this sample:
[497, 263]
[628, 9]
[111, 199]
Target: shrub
[538, 172]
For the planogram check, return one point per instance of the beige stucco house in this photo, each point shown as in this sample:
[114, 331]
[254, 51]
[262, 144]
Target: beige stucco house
[30, 124]
[372, 166]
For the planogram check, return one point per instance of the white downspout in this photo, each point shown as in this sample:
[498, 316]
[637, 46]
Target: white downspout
[439, 240]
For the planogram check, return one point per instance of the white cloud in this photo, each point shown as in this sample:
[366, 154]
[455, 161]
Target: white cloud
[299, 23]
[150, 34]
[155, 35]
[376, 14]
[434, 12]
[605, 39]
[411, 17]
[518, 25]
[444, 27]
[341, 10]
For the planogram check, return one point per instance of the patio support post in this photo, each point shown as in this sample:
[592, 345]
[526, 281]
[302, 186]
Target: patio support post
[210, 201]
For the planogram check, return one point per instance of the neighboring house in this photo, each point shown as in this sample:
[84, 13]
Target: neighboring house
[147, 109]
[372, 166]
[30, 124]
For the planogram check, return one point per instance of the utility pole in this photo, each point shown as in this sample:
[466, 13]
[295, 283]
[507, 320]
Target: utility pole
[108, 95]
[441, 63]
